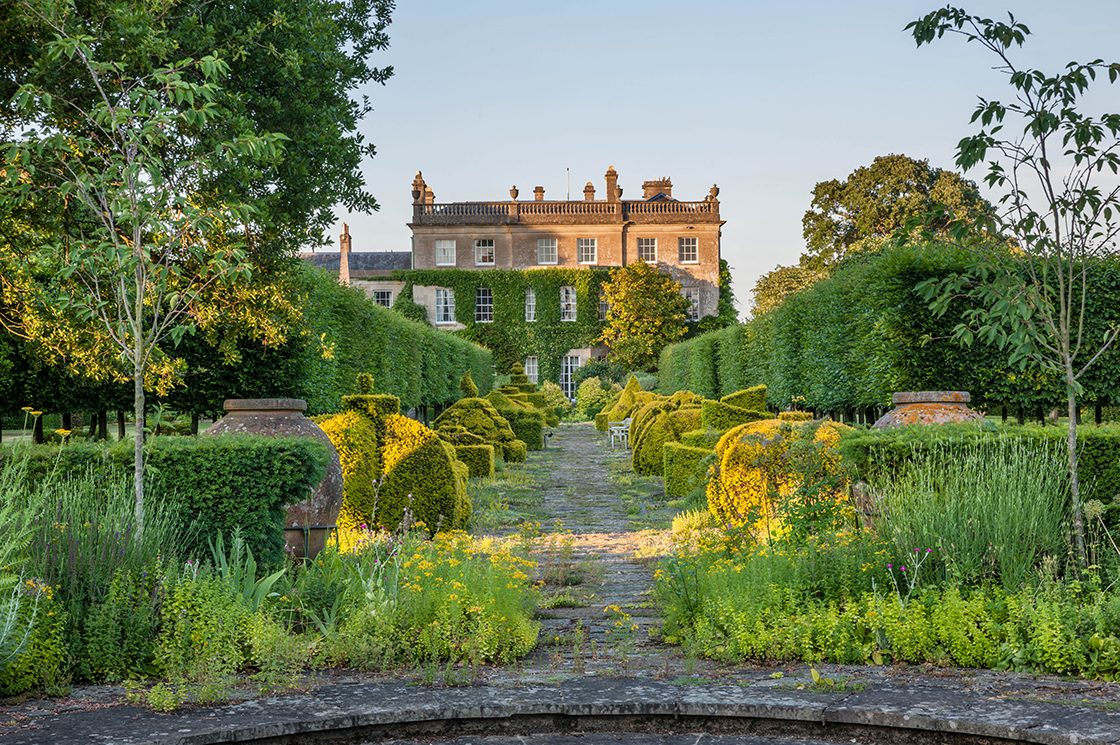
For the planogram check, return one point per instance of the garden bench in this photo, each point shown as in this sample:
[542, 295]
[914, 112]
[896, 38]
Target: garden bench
[620, 432]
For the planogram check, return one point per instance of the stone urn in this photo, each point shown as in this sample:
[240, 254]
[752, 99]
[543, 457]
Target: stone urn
[283, 417]
[928, 407]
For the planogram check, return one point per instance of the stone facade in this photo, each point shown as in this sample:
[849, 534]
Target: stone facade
[681, 238]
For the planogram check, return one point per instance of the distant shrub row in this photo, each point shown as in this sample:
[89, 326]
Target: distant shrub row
[852, 340]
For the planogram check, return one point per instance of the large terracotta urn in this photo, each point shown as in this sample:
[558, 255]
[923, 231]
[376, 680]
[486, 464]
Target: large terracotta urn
[928, 407]
[283, 417]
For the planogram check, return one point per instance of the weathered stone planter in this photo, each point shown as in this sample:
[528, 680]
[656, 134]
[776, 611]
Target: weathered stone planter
[928, 407]
[283, 417]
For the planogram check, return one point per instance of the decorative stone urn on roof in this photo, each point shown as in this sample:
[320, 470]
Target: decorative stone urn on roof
[283, 417]
[928, 407]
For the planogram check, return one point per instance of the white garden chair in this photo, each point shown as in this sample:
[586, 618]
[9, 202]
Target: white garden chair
[620, 432]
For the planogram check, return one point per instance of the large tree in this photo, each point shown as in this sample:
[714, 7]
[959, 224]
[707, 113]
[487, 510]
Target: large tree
[1060, 210]
[293, 66]
[775, 286]
[125, 149]
[647, 312]
[876, 201]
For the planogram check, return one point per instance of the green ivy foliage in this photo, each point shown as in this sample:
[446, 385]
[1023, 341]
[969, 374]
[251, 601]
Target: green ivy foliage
[852, 340]
[509, 336]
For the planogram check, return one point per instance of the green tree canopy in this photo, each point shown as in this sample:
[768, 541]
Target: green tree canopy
[775, 286]
[877, 200]
[647, 311]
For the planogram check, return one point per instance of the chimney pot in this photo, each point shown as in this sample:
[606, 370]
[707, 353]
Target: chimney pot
[538, 193]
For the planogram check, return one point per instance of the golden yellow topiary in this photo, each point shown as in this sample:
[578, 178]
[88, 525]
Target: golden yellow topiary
[656, 423]
[752, 471]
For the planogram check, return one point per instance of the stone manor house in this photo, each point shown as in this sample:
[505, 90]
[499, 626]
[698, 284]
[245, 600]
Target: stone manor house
[680, 238]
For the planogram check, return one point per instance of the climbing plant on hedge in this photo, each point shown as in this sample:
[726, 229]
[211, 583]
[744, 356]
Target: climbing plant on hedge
[510, 337]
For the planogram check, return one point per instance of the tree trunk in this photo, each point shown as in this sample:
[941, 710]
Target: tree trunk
[138, 449]
[37, 430]
[1071, 451]
[1022, 417]
[68, 421]
[103, 425]
[120, 424]
[1003, 414]
[194, 424]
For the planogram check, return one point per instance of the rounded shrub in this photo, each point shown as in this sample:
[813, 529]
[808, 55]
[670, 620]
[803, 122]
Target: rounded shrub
[753, 468]
[657, 423]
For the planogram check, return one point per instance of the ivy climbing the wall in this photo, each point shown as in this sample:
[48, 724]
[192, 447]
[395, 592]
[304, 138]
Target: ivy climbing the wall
[509, 336]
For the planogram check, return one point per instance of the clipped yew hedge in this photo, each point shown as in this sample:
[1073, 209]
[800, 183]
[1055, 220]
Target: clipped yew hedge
[852, 340]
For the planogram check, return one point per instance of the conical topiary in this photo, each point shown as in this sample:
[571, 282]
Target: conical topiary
[467, 386]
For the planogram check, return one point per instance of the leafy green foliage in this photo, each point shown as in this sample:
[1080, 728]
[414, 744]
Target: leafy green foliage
[1034, 301]
[874, 202]
[509, 336]
[647, 311]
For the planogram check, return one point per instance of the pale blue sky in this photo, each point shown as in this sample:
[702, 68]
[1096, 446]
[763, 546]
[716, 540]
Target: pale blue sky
[764, 99]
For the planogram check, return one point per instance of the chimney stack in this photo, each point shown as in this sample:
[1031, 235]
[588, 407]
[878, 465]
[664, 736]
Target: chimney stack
[589, 192]
[344, 255]
[613, 192]
[651, 189]
[538, 193]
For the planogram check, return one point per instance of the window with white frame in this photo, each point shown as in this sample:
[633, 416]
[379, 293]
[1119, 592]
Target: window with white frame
[530, 305]
[604, 306]
[692, 294]
[568, 367]
[585, 250]
[383, 297]
[546, 251]
[647, 250]
[483, 305]
[445, 253]
[531, 368]
[484, 252]
[686, 251]
[567, 303]
[445, 306]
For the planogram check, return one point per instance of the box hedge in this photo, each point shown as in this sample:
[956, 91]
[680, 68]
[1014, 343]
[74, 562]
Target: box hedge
[873, 454]
[722, 416]
[601, 421]
[705, 438]
[221, 482]
[681, 465]
[479, 459]
[753, 398]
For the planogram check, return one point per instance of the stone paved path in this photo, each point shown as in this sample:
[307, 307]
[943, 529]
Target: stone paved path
[589, 509]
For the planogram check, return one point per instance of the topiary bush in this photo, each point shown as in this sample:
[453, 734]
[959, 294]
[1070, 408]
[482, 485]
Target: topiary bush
[467, 386]
[722, 416]
[706, 438]
[657, 423]
[479, 417]
[526, 422]
[601, 421]
[754, 470]
[631, 398]
[478, 458]
[681, 466]
[796, 416]
[749, 398]
[355, 438]
[417, 468]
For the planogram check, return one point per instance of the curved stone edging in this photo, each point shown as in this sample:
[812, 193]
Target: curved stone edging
[390, 709]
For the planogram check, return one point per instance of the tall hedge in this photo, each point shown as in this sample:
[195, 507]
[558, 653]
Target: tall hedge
[349, 334]
[852, 340]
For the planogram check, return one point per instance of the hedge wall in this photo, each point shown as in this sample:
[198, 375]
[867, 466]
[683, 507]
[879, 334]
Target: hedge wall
[852, 340]
[221, 482]
[349, 334]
